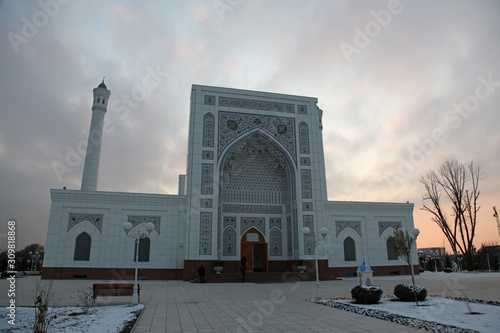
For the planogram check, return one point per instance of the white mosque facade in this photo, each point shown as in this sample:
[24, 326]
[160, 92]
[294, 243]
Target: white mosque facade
[255, 178]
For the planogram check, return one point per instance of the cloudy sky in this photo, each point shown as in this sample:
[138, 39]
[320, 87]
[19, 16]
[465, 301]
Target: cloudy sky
[403, 86]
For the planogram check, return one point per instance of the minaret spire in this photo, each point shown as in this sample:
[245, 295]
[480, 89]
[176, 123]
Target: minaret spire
[91, 167]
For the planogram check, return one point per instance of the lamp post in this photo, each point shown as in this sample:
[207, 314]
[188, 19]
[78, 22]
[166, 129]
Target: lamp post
[421, 259]
[460, 259]
[415, 233]
[34, 259]
[142, 232]
[316, 239]
[435, 252]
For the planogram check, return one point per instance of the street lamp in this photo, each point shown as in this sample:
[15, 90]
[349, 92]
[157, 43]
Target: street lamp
[415, 233]
[435, 252]
[421, 259]
[142, 232]
[34, 259]
[316, 239]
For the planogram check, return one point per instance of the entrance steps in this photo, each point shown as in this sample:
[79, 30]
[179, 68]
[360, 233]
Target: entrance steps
[264, 277]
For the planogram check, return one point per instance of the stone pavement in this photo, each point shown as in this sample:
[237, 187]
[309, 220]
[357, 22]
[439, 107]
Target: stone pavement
[178, 306]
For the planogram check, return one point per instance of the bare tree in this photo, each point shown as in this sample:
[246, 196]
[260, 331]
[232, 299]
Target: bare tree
[401, 244]
[453, 178]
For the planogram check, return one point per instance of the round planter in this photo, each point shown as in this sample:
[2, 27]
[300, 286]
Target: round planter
[301, 269]
[218, 269]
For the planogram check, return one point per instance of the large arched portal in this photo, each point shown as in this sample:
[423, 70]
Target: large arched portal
[257, 192]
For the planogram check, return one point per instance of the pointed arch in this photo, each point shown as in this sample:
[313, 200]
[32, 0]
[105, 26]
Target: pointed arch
[83, 244]
[390, 253]
[349, 249]
[144, 249]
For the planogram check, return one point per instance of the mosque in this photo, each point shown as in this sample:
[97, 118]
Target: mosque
[255, 178]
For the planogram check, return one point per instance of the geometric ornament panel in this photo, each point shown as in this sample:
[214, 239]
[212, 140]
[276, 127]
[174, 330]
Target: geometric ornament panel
[136, 220]
[94, 219]
[205, 234]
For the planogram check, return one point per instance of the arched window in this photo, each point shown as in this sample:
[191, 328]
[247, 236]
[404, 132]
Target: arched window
[83, 243]
[390, 253]
[349, 249]
[144, 245]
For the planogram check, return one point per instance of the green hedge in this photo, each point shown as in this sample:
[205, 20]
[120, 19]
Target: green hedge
[404, 292]
[366, 294]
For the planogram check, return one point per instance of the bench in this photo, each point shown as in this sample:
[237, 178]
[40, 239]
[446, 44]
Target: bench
[115, 289]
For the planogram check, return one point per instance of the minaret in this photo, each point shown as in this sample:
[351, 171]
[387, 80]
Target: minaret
[91, 167]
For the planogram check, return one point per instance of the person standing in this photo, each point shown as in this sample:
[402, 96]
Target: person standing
[243, 268]
[201, 274]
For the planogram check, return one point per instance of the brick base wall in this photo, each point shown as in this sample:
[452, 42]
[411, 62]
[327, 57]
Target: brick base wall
[190, 270]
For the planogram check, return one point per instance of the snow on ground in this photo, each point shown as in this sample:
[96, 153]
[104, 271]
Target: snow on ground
[99, 319]
[434, 309]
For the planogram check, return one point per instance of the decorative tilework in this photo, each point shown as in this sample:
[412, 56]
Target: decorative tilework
[205, 233]
[306, 183]
[229, 240]
[256, 171]
[207, 155]
[289, 234]
[275, 242]
[383, 226]
[309, 240]
[252, 209]
[258, 223]
[274, 222]
[307, 206]
[135, 220]
[302, 109]
[305, 161]
[94, 219]
[256, 105]
[207, 178]
[233, 125]
[288, 208]
[229, 222]
[208, 130]
[341, 225]
[303, 138]
[209, 100]
[206, 203]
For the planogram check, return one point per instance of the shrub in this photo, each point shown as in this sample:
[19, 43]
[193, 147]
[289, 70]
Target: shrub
[366, 294]
[404, 292]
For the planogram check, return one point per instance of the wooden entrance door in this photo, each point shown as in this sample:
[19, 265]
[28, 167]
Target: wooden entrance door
[254, 248]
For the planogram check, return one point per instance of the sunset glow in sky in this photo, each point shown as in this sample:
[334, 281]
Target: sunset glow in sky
[404, 85]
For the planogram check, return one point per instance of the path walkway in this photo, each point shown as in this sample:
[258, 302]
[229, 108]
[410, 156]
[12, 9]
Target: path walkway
[177, 306]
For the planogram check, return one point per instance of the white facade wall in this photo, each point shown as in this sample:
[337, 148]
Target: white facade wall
[376, 221]
[111, 247]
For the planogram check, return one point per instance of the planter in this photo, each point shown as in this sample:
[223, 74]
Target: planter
[218, 269]
[301, 269]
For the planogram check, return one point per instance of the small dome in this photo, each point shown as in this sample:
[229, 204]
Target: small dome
[102, 85]
[364, 268]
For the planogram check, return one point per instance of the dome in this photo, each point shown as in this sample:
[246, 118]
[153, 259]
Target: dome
[364, 268]
[102, 85]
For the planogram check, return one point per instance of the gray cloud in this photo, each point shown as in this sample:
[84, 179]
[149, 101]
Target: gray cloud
[378, 107]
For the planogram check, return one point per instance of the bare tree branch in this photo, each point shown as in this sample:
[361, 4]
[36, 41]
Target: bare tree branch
[453, 179]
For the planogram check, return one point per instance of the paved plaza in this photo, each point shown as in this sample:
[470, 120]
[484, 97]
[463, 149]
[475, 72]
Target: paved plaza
[178, 306]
